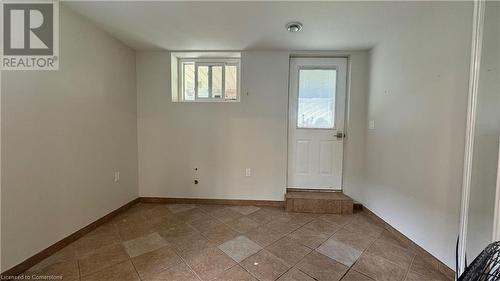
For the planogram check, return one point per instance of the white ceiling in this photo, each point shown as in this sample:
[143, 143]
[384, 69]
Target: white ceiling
[251, 25]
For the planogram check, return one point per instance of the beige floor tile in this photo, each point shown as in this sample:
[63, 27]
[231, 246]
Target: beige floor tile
[338, 220]
[189, 242]
[220, 234]
[263, 236]
[209, 208]
[123, 271]
[158, 224]
[288, 250]
[400, 256]
[301, 218]
[353, 275]
[176, 231]
[242, 224]
[68, 270]
[208, 263]
[205, 224]
[102, 258]
[68, 253]
[245, 210]
[379, 268]
[236, 273]
[388, 237]
[192, 215]
[144, 244]
[240, 248]
[295, 275]
[339, 251]
[150, 264]
[321, 267]
[177, 208]
[284, 225]
[180, 272]
[308, 237]
[364, 225]
[265, 266]
[133, 231]
[107, 228]
[157, 211]
[142, 208]
[323, 226]
[357, 240]
[226, 214]
[263, 216]
[132, 216]
[435, 276]
[101, 237]
[421, 267]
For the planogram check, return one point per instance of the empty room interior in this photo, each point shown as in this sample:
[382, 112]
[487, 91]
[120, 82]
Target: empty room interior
[269, 140]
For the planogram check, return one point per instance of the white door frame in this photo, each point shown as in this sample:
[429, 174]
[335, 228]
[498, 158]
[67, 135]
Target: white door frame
[326, 55]
[477, 41]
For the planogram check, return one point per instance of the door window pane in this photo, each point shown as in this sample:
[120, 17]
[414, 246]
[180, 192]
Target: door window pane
[316, 98]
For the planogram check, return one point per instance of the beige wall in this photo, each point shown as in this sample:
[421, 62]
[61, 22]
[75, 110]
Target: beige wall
[222, 139]
[356, 125]
[63, 134]
[414, 156]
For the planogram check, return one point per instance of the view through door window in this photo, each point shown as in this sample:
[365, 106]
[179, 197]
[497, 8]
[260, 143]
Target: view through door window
[316, 102]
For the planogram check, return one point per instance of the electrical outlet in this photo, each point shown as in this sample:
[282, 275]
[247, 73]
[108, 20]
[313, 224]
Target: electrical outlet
[248, 172]
[116, 176]
[371, 125]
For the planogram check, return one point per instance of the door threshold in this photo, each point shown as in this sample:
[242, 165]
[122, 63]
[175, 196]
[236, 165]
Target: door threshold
[301, 189]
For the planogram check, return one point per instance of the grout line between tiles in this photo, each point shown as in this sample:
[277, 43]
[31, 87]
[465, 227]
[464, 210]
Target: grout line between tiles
[409, 267]
[135, 268]
[79, 270]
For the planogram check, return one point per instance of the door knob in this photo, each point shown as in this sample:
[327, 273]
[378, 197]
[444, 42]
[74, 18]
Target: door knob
[340, 135]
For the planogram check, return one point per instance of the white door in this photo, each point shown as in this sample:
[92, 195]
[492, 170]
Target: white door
[316, 122]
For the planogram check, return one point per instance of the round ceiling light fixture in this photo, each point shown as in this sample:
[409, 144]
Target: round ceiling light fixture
[294, 26]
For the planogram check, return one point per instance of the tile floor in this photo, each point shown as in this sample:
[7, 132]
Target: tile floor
[180, 242]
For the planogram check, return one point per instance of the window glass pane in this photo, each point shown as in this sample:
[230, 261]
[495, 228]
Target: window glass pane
[216, 81]
[316, 98]
[231, 82]
[189, 82]
[203, 82]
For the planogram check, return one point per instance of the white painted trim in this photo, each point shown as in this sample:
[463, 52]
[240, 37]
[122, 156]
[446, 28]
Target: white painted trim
[496, 221]
[477, 36]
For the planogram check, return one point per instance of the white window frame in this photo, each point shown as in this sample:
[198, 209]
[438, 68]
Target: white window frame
[208, 62]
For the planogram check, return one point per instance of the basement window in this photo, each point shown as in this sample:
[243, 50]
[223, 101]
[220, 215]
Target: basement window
[205, 78]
